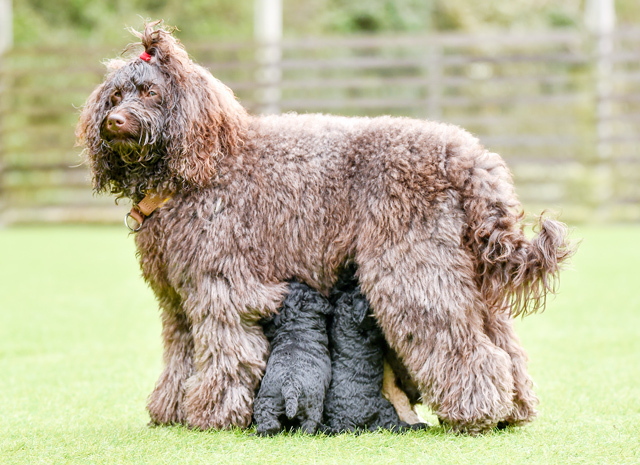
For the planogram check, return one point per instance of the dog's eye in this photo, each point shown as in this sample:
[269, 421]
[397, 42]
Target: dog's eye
[116, 97]
[152, 93]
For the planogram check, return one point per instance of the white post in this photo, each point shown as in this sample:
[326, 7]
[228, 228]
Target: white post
[6, 26]
[434, 70]
[268, 34]
[600, 19]
[6, 41]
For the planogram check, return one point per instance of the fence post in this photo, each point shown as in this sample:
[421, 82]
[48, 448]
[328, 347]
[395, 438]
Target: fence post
[600, 19]
[6, 41]
[268, 34]
[6, 26]
[434, 73]
[2, 134]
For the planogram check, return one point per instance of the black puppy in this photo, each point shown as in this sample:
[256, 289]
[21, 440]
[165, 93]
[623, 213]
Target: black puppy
[298, 372]
[354, 401]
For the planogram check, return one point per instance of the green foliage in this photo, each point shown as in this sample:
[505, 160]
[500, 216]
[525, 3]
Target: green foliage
[45, 21]
[346, 16]
[80, 350]
[493, 14]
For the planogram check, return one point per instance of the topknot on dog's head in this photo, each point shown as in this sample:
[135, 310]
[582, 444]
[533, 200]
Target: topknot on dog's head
[160, 45]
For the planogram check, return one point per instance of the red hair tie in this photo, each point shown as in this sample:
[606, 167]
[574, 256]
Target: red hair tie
[144, 56]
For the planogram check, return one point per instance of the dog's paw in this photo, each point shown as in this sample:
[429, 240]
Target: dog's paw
[417, 427]
[522, 413]
[480, 393]
[212, 405]
[308, 427]
[165, 406]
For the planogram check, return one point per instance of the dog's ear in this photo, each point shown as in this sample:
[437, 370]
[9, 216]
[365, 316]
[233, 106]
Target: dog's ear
[87, 116]
[88, 136]
[205, 122]
[205, 125]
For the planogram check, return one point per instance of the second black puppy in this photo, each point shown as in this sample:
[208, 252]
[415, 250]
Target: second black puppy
[298, 372]
[354, 401]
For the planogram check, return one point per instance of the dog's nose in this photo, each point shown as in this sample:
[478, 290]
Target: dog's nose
[115, 122]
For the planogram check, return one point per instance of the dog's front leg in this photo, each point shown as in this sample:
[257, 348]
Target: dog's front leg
[230, 361]
[165, 404]
[230, 351]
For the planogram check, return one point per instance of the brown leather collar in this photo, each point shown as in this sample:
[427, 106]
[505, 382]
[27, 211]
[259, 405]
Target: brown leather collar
[144, 209]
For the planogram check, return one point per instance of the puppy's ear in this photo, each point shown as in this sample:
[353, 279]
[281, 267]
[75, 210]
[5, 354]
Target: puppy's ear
[269, 325]
[360, 309]
[326, 308]
[205, 122]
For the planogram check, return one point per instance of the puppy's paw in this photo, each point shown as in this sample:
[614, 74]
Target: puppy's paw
[269, 428]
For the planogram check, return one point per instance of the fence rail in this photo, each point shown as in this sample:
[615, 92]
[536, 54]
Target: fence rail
[566, 118]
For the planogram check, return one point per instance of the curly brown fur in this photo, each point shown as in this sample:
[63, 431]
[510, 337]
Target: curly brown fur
[426, 212]
[513, 273]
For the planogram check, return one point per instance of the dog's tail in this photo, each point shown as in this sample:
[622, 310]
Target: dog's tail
[291, 390]
[512, 271]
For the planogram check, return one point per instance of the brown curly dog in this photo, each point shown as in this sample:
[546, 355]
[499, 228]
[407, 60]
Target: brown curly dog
[428, 215]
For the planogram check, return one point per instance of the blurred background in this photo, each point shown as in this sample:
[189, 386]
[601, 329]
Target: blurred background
[553, 86]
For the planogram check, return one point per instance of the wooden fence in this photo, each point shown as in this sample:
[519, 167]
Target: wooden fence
[565, 117]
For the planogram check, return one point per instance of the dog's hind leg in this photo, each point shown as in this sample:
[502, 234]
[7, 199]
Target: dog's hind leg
[421, 288]
[165, 404]
[499, 328]
[267, 409]
[314, 402]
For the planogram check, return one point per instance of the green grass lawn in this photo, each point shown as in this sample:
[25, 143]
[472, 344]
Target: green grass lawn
[80, 350]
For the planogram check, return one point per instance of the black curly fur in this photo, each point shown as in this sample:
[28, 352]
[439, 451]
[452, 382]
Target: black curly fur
[298, 372]
[354, 401]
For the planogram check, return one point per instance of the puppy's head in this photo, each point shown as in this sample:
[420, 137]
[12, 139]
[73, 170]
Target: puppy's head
[303, 309]
[352, 312]
[158, 121]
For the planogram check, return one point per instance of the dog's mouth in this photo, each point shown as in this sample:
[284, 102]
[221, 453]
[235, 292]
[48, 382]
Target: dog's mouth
[132, 150]
[121, 142]
[136, 154]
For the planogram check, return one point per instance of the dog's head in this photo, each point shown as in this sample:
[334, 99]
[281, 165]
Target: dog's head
[158, 121]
